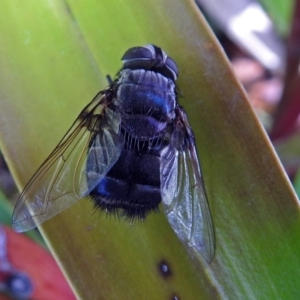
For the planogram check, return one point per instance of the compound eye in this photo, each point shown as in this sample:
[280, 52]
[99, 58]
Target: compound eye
[172, 67]
[137, 53]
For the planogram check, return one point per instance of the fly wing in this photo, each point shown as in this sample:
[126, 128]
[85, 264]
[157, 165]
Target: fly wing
[183, 193]
[66, 176]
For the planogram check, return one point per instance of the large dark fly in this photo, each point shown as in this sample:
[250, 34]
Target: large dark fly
[129, 149]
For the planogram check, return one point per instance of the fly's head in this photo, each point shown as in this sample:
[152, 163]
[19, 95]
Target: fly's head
[150, 57]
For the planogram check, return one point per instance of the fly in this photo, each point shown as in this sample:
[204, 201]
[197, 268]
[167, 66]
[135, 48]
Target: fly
[129, 149]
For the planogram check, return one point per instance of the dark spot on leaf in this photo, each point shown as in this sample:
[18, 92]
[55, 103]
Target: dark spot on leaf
[164, 268]
[174, 297]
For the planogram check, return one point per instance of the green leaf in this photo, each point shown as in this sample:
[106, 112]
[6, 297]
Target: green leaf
[281, 13]
[55, 56]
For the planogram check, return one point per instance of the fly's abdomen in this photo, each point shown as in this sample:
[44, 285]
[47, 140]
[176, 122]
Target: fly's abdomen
[132, 185]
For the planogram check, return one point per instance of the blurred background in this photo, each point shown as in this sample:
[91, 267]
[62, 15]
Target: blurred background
[262, 42]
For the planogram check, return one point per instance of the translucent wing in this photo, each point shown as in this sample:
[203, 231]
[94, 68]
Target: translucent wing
[78, 163]
[183, 193]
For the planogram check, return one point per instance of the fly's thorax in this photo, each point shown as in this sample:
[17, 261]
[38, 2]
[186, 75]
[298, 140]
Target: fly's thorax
[146, 101]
